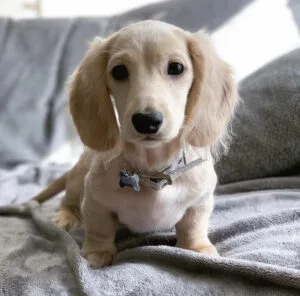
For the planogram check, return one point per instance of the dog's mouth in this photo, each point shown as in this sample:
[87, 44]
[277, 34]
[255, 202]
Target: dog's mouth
[148, 139]
[152, 141]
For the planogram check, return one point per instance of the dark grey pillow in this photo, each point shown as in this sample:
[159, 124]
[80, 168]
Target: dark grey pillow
[267, 124]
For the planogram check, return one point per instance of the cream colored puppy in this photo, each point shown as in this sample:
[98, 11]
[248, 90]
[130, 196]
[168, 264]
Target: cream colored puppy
[174, 98]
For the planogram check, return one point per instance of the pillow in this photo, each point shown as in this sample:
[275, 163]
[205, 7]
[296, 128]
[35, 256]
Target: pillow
[267, 124]
[36, 58]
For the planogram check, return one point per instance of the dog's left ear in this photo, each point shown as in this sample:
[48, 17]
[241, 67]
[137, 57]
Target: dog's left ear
[213, 95]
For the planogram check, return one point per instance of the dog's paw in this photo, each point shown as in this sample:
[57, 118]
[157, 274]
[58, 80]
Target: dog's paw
[204, 249]
[66, 219]
[100, 259]
[207, 249]
[98, 253]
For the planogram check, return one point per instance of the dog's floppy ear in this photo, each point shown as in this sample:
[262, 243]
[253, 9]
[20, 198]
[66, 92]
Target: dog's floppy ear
[213, 94]
[90, 104]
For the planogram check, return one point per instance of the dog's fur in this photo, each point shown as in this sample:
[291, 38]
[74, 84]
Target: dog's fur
[197, 107]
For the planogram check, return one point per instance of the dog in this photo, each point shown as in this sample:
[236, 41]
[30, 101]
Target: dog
[150, 103]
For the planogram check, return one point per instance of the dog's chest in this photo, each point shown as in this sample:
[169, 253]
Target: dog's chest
[150, 210]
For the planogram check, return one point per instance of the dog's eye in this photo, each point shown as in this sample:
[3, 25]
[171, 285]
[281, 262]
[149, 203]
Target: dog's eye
[120, 72]
[175, 68]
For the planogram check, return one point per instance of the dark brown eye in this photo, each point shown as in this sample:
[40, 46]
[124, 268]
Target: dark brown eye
[175, 69]
[120, 72]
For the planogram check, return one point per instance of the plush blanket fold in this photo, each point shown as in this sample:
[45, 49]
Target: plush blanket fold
[257, 234]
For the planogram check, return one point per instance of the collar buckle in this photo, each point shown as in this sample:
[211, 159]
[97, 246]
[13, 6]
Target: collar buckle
[158, 180]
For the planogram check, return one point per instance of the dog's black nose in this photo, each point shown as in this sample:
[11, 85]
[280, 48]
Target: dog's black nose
[147, 122]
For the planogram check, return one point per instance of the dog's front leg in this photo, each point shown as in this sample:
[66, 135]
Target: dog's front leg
[192, 229]
[99, 234]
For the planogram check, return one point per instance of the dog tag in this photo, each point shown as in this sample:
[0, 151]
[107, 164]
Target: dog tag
[129, 180]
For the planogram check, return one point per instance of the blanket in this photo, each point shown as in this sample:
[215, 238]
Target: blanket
[255, 227]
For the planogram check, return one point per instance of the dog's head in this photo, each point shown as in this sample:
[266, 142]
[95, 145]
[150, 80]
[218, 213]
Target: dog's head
[165, 83]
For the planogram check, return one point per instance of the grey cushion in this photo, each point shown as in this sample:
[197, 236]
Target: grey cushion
[295, 9]
[267, 124]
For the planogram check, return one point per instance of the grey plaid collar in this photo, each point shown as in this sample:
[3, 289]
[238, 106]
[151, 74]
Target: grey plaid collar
[160, 179]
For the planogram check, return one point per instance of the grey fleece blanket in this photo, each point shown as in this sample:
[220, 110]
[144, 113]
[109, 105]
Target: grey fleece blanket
[255, 227]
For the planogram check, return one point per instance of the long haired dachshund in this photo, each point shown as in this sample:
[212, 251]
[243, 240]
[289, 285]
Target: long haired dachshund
[150, 103]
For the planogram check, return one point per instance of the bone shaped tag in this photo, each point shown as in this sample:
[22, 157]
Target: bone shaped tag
[129, 180]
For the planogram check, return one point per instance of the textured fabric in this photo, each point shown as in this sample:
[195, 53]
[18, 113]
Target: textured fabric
[257, 234]
[266, 128]
[36, 59]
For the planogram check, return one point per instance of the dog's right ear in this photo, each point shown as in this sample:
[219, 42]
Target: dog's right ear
[213, 96]
[90, 104]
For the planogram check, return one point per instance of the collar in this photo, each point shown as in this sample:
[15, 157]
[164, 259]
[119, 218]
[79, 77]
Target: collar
[158, 180]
